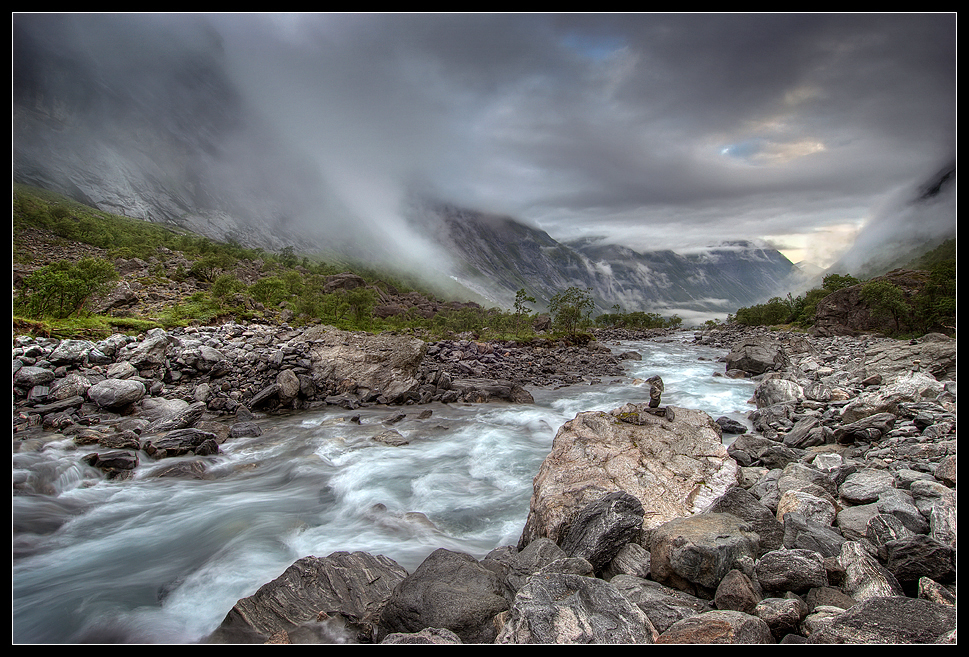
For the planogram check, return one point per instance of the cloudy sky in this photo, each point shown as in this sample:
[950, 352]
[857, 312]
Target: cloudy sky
[655, 130]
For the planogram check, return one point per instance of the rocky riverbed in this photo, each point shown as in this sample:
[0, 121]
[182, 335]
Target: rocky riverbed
[834, 520]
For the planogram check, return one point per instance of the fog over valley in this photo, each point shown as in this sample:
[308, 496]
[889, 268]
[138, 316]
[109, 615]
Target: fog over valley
[812, 135]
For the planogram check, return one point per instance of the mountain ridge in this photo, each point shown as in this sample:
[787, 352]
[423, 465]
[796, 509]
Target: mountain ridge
[510, 255]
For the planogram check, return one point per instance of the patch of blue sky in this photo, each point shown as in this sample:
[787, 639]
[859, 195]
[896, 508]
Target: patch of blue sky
[594, 47]
[744, 150]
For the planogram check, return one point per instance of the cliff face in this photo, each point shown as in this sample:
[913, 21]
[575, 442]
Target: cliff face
[502, 255]
[163, 137]
[846, 313]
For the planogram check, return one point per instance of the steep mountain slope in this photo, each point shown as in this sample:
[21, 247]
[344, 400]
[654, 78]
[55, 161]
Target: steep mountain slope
[162, 136]
[500, 255]
[915, 221]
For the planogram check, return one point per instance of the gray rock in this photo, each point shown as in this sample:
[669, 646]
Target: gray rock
[911, 558]
[151, 352]
[448, 590]
[72, 385]
[782, 615]
[742, 504]
[865, 578]
[852, 521]
[698, 551]
[864, 486]
[70, 352]
[565, 608]
[889, 620]
[632, 559]
[428, 636]
[791, 570]
[178, 443]
[804, 533]
[673, 467]
[181, 419]
[116, 393]
[736, 592]
[356, 585]
[901, 504]
[29, 376]
[602, 528]
[718, 627]
[662, 604]
[757, 356]
[771, 392]
[536, 555]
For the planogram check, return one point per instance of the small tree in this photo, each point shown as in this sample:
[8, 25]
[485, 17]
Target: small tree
[835, 282]
[571, 308]
[884, 298]
[61, 288]
[521, 312]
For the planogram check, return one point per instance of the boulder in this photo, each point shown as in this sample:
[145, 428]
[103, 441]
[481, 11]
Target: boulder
[632, 559]
[804, 533]
[181, 442]
[151, 352]
[355, 585]
[718, 627]
[385, 364]
[694, 553]
[742, 504]
[737, 592]
[914, 557]
[602, 528]
[180, 419]
[905, 388]
[484, 390]
[791, 570]
[782, 615]
[70, 352]
[757, 355]
[865, 486]
[777, 391]
[865, 578]
[674, 467]
[30, 375]
[428, 636]
[889, 620]
[449, 590]
[935, 354]
[536, 555]
[661, 604]
[116, 393]
[570, 609]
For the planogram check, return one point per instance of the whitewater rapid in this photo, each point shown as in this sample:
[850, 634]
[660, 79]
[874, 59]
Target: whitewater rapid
[162, 560]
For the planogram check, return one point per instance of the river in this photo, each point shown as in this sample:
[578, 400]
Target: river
[162, 560]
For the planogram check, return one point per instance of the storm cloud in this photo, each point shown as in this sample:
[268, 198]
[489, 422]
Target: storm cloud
[650, 130]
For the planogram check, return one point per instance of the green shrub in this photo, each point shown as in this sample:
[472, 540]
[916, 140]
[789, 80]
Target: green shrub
[269, 291]
[224, 287]
[61, 288]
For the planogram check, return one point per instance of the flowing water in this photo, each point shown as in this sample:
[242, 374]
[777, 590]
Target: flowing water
[162, 560]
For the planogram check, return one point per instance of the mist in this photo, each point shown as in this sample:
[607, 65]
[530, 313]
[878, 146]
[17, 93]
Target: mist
[654, 131]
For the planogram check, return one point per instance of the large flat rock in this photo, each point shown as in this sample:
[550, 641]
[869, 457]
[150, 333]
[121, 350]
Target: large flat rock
[672, 460]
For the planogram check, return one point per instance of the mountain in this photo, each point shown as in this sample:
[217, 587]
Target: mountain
[163, 134]
[914, 221]
[160, 133]
[498, 255]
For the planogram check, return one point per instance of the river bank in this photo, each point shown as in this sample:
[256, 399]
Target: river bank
[800, 450]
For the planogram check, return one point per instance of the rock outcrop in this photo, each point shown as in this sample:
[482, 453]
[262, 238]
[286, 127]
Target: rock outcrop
[669, 459]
